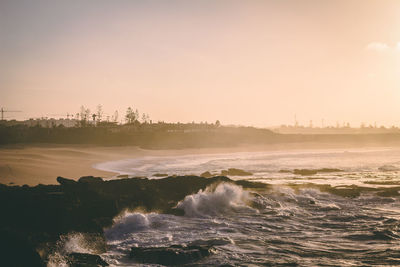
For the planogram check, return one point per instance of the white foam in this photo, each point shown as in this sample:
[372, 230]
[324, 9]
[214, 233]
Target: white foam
[74, 242]
[211, 202]
[128, 223]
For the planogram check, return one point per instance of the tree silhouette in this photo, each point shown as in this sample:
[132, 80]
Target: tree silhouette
[99, 113]
[130, 116]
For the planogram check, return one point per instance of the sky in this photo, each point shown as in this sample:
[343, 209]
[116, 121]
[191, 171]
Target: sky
[258, 63]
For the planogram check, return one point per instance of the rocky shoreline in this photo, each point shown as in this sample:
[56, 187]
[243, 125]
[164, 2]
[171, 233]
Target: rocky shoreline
[34, 218]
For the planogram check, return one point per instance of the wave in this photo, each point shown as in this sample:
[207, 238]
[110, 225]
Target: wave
[213, 201]
[131, 224]
[258, 163]
[128, 223]
[82, 243]
[388, 168]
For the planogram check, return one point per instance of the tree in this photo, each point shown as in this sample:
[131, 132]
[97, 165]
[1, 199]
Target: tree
[84, 115]
[99, 113]
[217, 123]
[130, 116]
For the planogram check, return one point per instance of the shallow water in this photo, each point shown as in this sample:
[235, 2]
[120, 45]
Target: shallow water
[288, 224]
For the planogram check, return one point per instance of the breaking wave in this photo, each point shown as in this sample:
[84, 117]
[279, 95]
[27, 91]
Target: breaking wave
[214, 201]
[238, 224]
[325, 219]
[129, 222]
[75, 243]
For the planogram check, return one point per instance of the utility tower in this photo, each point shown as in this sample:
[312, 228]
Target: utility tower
[2, 111]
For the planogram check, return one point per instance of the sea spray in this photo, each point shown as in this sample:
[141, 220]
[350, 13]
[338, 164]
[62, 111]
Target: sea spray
[223, 198]
[127, 223]
[75, 243]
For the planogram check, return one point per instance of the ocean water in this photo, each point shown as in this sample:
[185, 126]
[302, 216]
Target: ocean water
[347, 218]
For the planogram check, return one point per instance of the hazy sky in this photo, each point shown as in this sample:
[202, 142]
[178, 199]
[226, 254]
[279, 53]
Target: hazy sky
[242, 62]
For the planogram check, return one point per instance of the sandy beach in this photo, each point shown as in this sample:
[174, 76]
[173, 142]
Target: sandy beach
[41, 164]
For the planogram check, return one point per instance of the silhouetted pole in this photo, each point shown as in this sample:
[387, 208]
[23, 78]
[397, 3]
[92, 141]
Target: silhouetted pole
[2, 112]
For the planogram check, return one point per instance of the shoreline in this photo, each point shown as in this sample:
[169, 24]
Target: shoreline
[43, 163]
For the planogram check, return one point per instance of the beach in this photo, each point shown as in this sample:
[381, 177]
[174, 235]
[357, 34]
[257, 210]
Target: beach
[350, 194]
[43, 163]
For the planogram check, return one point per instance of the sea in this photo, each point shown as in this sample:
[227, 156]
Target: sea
[349, 216]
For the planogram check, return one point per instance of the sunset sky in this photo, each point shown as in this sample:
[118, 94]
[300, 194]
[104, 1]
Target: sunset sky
[241, 62]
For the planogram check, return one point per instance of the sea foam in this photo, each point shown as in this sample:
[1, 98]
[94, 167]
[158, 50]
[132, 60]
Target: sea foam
[213, 201]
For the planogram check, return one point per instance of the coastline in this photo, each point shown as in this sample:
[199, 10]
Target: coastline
[43, 163]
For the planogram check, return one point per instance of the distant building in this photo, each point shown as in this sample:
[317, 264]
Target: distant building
[48, 123]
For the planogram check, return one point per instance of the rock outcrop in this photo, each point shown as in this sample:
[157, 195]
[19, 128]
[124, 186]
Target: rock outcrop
[42, 213]
[172, 255]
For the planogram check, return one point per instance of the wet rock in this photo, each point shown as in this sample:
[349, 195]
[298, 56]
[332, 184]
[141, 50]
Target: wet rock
[90, 179]
[206, 174]
[65, 181]
[329, 170]
[17, 250]
[85, 259]
[389, 192]
[304, 171]
[235, 172]
[173, 255]
[160, 175]
[315, 171]
[42, 213]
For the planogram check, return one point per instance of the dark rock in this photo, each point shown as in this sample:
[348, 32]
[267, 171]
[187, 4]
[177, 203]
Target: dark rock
[16, 250]
[65, 181]
[305, 171]
[42, 213]
[173, 255]
[206, 174]
[85, 259]
[235, 172]
[160, 175]
[329, 170]
[90, 179]
[389, 192]
[315, 171]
